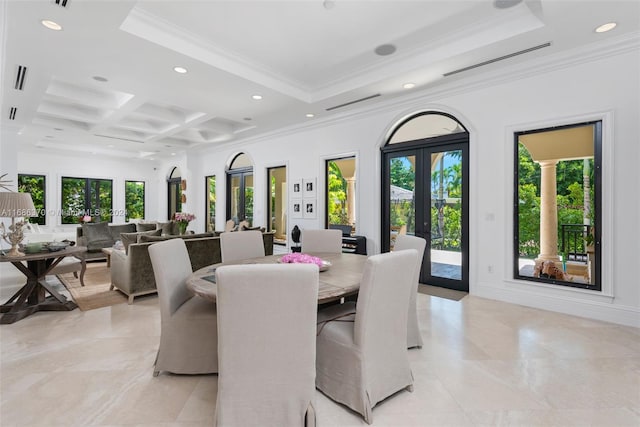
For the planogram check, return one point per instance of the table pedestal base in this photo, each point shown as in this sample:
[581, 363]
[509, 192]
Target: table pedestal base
[32, 298]
[13, 312]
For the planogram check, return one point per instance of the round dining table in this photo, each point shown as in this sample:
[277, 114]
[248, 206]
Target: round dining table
[341, 279]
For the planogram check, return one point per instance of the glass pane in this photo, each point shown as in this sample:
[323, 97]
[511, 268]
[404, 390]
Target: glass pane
[341, 189]
[175, 197]
[446, 214]
[248, 198]
[211, 203]
[402, 208]
[426, 126]
[101, 200]
[556, 191]
[134, 200]
[241, 161]
[35, 185]
[278, 203]
[73, 200]
[235, 197]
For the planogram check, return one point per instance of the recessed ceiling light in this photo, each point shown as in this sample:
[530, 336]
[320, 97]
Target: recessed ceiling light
[173, 154]
[51, 25]
[409, 85]
[180, 70]
[310, 115]
[257, 97]
[328, 4]
[100, 79]
[385, 49]
[606, 27]
[505, 4]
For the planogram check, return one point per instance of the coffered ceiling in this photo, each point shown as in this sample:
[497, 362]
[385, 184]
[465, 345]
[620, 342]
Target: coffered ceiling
[105, 82]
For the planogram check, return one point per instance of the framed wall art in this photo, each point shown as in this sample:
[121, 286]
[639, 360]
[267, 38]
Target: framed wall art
[296, 188]
[309, 208]
[309, 188]
[296, 208]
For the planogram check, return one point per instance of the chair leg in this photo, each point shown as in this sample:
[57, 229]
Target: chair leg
[310, 417]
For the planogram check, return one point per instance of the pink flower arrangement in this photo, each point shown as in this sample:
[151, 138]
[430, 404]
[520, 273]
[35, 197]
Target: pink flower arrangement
[184, 217]
[299, 258]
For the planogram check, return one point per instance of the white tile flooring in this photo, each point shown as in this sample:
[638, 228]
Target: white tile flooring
[484, 363]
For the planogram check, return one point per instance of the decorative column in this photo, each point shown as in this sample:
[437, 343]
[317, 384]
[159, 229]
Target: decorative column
[351, 203]
[548, 212]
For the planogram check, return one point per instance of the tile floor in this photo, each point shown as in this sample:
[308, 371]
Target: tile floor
[484, 363]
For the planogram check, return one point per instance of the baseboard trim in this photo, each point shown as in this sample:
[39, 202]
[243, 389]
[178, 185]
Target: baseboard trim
[597, 310]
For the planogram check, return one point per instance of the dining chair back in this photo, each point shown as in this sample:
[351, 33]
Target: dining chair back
[235, 246]
[267, 344]
[322, 241]
[363, 359]
[188, 334]
[405, 241]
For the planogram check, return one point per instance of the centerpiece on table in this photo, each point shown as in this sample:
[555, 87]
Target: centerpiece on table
[183, 219]
[300, 258]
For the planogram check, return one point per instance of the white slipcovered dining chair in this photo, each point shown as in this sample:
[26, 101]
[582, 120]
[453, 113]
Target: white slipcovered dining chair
[362, 358]
[239, 246]
[188, 335]
[404, 241]
[322, 241]
[266, 344]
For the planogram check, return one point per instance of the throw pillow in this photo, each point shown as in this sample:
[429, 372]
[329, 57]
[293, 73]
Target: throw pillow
[129, 238]
[169, 228]
[145, 226]
[145, 239]
[97, 235]
[116, 229]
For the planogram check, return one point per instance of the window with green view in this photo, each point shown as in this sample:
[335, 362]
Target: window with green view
[134, 200]
[36, 186]
[86, 197]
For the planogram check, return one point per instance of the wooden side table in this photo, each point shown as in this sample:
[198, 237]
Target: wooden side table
[107, 252]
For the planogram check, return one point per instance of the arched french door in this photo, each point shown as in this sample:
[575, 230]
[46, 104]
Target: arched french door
[174, 193]
[425, 185]
[240, 189]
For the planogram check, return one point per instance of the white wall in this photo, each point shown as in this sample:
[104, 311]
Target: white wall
[55, 166]
[605, 87]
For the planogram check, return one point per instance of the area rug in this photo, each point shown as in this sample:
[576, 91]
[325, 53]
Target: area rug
[441, 292]
[95, 293]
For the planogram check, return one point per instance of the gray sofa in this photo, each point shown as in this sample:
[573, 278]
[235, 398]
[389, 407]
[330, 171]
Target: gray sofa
[132, 272]
[96, 236]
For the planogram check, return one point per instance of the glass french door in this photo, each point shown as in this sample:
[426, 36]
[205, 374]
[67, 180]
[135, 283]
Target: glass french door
[425, 196]
[240, 191]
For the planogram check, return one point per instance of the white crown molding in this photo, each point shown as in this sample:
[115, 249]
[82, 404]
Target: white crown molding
[557, 61]
[159, 31]
[511, 23]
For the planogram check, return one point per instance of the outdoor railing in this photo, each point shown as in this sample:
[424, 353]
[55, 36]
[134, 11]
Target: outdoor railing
[573, 241]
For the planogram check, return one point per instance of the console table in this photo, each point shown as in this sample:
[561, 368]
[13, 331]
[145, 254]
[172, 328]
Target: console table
[32, 297]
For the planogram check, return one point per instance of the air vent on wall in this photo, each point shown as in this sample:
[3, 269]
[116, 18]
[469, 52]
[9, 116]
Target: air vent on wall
[500, 58]
[62, 3]
[21, 73]
[12, 113]
[116, 137]
[353, 102]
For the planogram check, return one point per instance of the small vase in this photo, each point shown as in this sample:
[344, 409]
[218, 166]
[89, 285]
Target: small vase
[182, 227]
